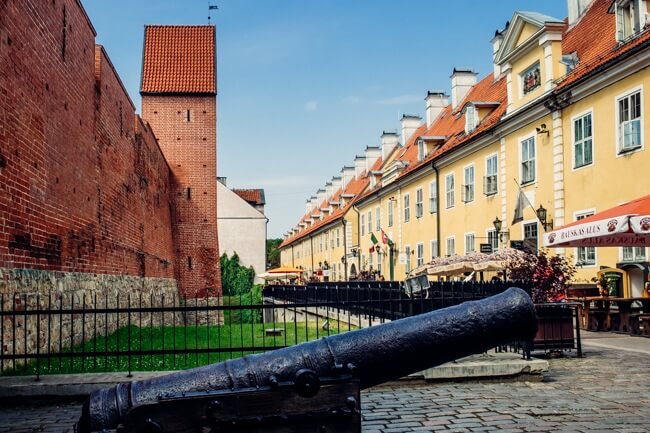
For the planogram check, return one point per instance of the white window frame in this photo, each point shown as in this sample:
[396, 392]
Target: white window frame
[433, 244]
[369, 221]
[488, 174]
[407, 207]
[390, 213]
[468, 236]
[422, 149]
[452, 240]
[469, 189]
[419, 202]
[574, 119]
[635, 257]
[471, 118]
[492, 238]
[433, 197]
[523, 230]
[450, 200]
[407, 253]
[619, 150]
[522, 140]
[363, 225]
[378, 217]
[578, 215]
[628, 21]
[419, 254]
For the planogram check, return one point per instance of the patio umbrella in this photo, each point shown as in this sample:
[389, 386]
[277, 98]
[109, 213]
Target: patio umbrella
[626, 225]
[266, 276]
[284, 270]
[498, 260]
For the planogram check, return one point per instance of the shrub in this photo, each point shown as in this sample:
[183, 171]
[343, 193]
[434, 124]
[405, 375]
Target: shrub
[235, 278]
[549, 274]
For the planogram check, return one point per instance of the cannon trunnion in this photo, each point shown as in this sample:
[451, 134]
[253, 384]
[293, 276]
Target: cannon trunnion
[312, 386]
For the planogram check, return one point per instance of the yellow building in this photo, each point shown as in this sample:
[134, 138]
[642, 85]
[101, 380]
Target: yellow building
[562, 118]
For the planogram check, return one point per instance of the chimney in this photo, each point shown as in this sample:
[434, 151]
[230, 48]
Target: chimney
[372, 155]
[360, 165]
[389, 141]
[314, 203]
[337, 181]
[436, 102]
[308, 207]
[347, 174]
[497, 40]
[576, 9]
[320, 197]
[462, 81]
[410, 123]
[328, 190]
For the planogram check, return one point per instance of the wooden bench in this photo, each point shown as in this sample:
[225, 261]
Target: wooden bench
[644, 324]
[274, 332]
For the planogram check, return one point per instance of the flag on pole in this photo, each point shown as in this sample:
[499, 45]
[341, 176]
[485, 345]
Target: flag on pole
[372, 249]
[522, 200]
[384, 238]
[373, 238]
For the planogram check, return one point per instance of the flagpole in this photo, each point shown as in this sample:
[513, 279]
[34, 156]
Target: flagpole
[525, 197]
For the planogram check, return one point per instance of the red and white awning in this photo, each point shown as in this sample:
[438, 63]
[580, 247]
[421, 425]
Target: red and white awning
[624, 225]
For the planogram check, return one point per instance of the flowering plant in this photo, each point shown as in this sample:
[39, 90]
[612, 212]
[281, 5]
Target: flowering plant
[550, 275]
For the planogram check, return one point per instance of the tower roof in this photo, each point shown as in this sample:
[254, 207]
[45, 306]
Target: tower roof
[179, 59]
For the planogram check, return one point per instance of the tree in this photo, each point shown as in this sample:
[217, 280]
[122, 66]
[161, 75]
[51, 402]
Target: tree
[273, 253]
[550, 274]
[235, 278]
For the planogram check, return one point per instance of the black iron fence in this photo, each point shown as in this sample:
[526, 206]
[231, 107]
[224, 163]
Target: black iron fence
[74, 333]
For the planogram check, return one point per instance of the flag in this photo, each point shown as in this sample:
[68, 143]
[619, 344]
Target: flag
[384, 238]
[372, 249]
[373, 238]
[519, 208]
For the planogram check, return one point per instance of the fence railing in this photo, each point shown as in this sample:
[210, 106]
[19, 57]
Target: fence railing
[65, 333]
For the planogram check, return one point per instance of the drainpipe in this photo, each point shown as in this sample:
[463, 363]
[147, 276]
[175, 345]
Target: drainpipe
[433, 166]
[345, 250]
[354, 208]
[293, 263]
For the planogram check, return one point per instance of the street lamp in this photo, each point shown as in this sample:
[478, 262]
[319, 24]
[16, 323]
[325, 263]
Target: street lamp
[498, 225]
[541, 215]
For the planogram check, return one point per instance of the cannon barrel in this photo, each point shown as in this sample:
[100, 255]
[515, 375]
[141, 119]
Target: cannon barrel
[372, 356]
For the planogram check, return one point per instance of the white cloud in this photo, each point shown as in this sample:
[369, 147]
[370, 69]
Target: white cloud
[401, 99]
[311, 106]
[351, 99]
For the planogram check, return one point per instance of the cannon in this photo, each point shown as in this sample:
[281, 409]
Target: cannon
[313, 386]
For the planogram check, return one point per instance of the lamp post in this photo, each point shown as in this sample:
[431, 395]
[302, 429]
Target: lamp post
[498, 225]
[542, 214]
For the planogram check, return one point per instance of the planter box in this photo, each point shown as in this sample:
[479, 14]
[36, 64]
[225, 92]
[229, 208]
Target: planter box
[555, 327]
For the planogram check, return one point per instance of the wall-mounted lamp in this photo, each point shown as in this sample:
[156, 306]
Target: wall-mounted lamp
[392, 198]
[542, 129]
[498, 225]
[542, 214]
[343, 259]
[354, 251]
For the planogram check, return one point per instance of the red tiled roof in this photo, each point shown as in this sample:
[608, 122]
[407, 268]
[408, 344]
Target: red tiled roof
[179, 59]
[252, 196]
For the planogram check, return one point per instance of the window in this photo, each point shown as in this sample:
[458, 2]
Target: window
[582, 141]
[338, 238]
[493, 239]
[433, 197]
[449, 190]
[370, 261]
[379, 263]
[420, 254]
[377, 218]
[530, 237]
[419, 207]
[369, 221]
[531, 79]
[629, 18]
[528, 160]
[407, 208]
[629, 122]
[422, 149]
[468, 188]
[585, 256]
[469, 243]
[364, 262]
[363, 225]
[634, 254]
[470, 118]
[390, 213]
[451, 246]
[407, 253]
[491, 175]
[434, 249]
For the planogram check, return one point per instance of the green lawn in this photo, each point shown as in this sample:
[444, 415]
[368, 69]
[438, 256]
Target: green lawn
[212, 338]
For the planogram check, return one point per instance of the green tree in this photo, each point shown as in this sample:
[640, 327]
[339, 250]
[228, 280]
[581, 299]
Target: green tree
[273, 253]
[235, 278]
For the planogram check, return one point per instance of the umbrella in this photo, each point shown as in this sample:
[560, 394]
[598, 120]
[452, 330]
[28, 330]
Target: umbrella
[269, 276]
[498, 260]
[626, 225]
[284, 270]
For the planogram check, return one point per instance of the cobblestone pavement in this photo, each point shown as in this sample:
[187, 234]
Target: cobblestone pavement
[607, 391]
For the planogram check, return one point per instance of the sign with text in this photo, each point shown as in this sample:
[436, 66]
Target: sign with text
[486, 248]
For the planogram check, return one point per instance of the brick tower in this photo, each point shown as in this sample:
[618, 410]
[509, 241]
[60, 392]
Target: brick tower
[179, 100]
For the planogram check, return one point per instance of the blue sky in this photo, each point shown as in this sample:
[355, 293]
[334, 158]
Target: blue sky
[304, 85]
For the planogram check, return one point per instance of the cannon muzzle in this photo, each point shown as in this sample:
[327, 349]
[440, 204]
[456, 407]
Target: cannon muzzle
[370, 356]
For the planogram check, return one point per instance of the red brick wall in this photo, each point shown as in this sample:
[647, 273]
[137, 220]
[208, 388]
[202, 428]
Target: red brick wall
[190, 148]
[84, 186]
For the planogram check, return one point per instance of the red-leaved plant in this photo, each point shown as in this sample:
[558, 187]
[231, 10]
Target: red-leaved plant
[550, 275]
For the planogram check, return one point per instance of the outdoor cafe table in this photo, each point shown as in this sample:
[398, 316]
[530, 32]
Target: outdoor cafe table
[596, 314]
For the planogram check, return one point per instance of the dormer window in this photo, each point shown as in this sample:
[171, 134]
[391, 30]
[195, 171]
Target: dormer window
[531, 79]
[422, 149]
[630, 18]
[471, 119]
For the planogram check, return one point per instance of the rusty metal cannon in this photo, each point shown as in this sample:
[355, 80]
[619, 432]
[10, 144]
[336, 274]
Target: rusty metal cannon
[313, 386]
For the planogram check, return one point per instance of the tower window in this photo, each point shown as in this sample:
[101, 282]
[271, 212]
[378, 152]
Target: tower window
[189, 193]
[189, 263]
[188, 115]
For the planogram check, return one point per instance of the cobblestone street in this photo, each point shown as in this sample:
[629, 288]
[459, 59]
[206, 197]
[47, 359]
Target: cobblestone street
[607, 391]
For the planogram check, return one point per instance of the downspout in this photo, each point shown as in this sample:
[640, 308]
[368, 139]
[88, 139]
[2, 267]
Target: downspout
[345, 250]
[293, 263]
[433, 166]
[354, 208]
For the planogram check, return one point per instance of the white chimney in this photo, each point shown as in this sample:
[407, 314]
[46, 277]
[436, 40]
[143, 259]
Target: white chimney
[328, 190]
[576, 9]
[314, 203]
[320, 197]
[347, 174]
[360, 165]
[410, 123]
[436, 101]
[372, 155]
[389, 141]
[337, 181]
[308, 207]
[462, 81]
[497, 40]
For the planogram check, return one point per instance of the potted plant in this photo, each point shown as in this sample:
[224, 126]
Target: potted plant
[550, 276]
